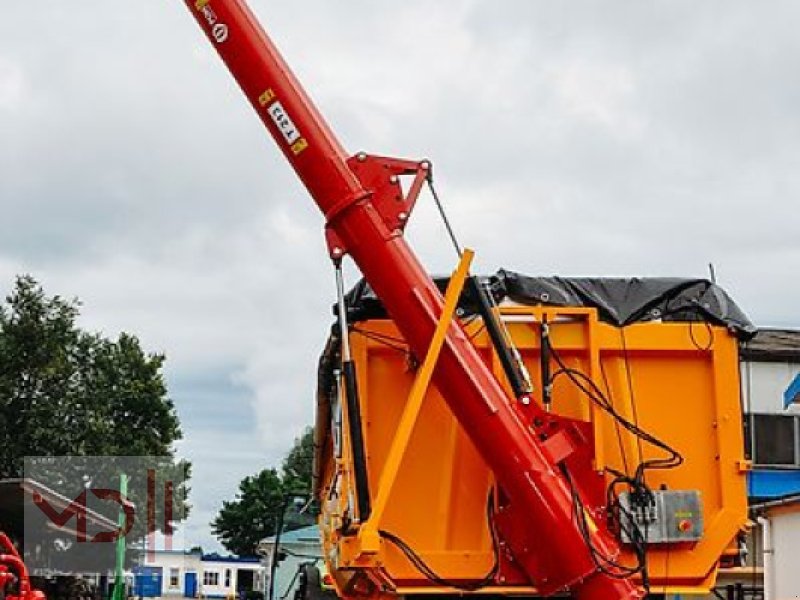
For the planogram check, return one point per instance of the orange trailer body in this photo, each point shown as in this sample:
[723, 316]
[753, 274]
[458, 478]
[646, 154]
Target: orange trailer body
[680, 381]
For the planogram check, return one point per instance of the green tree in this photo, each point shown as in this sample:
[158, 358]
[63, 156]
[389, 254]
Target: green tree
[68, 392]
[256, 511]
[299, 462]
[243, 522]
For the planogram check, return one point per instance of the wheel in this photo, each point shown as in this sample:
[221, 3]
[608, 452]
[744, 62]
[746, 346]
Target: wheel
[310, 585]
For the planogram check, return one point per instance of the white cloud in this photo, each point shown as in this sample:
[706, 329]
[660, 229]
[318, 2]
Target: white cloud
[12, 85]
[598, 93]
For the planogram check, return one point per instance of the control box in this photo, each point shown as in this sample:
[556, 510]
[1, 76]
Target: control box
[663, 516]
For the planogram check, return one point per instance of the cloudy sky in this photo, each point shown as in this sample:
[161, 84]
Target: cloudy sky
[580, 138]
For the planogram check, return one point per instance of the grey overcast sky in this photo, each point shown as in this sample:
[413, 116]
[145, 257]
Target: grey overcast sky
[574, 138]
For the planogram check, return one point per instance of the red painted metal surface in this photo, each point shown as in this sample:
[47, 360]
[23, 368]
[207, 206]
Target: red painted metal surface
[547, 543]
[13, 572]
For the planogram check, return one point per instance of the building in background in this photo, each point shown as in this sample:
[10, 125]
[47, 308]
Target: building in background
[779, 534]
[179, 574]
[168, 573]
[231, 576]
[771, 397]
[770, 377]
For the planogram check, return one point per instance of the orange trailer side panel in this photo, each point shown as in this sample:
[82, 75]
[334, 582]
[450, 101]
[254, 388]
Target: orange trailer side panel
[679, 381]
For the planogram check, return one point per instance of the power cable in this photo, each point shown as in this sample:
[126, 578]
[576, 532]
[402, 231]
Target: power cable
[617, 428]
[619, 516]
[605, 564]
[416, 560]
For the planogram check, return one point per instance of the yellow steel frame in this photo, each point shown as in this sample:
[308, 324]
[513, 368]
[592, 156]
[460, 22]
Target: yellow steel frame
[369, 539]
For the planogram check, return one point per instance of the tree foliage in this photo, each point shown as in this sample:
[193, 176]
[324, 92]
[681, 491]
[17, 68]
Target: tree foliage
[65, 391]
[256, 511]
[68, 392]
[298, 464]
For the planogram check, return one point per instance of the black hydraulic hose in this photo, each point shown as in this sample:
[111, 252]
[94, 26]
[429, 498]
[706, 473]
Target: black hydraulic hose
[363, 502]
[547, 387]
[518, 382]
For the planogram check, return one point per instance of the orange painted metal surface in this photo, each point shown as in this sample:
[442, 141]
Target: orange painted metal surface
[679, 381]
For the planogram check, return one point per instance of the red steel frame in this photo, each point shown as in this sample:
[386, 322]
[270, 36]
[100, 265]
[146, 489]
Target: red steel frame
[365, 212]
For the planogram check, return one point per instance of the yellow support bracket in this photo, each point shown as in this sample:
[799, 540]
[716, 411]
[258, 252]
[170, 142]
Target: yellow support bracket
[369, 538]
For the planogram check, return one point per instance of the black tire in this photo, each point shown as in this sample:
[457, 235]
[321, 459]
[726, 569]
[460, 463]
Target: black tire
[310, 585]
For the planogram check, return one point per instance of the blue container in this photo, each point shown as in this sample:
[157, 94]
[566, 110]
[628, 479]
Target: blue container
[147, 582]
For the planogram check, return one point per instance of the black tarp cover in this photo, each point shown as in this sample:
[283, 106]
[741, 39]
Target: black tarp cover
[618, 301]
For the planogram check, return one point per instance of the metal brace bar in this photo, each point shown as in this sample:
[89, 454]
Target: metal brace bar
[368, 534]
